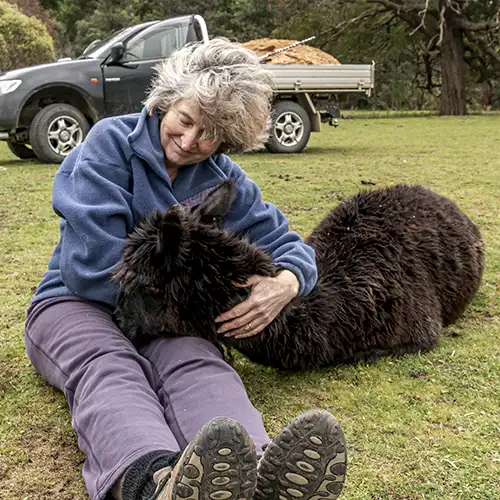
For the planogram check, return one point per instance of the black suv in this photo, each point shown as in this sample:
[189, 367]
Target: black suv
[51, 107]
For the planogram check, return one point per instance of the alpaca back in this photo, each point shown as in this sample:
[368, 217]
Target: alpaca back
[375, 294]
[409, 230]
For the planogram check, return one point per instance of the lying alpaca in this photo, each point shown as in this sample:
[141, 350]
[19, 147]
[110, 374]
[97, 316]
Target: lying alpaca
[395, 265]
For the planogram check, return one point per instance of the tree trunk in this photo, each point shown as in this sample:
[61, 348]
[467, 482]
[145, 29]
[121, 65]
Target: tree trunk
[452, 70]
[486, 95]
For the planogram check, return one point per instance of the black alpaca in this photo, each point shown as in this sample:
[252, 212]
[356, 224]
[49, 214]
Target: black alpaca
[395, 266]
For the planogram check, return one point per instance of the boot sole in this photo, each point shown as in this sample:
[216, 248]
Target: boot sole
[220, 463]
[306, 461]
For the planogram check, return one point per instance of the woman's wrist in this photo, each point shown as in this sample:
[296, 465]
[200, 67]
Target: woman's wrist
[290, 281]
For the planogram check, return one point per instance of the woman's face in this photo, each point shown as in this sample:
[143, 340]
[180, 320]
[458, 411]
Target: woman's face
[180, 132]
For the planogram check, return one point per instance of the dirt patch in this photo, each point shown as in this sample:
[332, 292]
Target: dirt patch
[302, 54]
[44, 463]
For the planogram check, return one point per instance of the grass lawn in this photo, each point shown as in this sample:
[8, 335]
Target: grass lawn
[419, 427]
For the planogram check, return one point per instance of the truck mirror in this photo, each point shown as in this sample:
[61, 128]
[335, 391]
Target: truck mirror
[117, 52]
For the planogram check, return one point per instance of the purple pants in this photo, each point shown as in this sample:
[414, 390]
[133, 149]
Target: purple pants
[126, 403]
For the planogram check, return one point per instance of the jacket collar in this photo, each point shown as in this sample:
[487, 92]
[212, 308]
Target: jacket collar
[145, 141]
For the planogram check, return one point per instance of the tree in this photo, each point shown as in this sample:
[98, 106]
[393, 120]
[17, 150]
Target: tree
[24, 40]
[457, 33]
[50, 4]
[241, 20]
[238, 20]
[34, 8]
[385, 40]
[83, 21]
[107, 17]
[458, 41]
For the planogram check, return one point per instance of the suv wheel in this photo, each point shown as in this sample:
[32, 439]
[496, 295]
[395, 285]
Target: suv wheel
[291, 128]
[21, 150]
[56, 130]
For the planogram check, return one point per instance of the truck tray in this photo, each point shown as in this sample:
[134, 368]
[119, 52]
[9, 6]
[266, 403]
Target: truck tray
[323, 77]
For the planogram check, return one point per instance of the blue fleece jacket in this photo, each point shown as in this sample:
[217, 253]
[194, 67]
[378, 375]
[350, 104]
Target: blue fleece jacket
[117, 177]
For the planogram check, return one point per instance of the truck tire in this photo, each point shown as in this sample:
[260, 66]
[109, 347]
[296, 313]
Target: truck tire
[21, 150]
[290, 129]
[56, 130]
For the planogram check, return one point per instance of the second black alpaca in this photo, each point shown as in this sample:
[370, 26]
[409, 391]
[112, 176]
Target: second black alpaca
[395, 265]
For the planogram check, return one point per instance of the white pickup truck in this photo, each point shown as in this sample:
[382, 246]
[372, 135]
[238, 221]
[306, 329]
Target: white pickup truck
[305, 96]
[46, 110]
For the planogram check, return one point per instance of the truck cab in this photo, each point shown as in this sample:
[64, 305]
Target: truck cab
[47, 110]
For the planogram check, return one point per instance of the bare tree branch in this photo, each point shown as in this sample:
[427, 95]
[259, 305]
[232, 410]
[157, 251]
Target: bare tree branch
[402, 6]
[477, 62]
[468, 25]
[339, 28]
[492, 52]
[480, 46]
[454, 6]
[432, 43]
[423, 14]
[442, 25]
[409, 13]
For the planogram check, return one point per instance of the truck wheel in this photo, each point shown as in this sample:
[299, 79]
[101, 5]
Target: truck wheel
[56, 130]
[21, 150]
[291, 128]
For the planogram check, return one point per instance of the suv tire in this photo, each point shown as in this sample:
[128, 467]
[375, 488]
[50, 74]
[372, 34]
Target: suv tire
[21, 150]
[56, 130]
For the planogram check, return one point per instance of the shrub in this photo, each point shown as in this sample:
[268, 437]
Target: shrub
[24, 41]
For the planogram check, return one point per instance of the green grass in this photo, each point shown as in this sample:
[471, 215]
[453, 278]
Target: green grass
[419, 427]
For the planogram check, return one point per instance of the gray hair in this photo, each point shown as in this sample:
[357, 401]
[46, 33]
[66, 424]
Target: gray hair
[227, 82]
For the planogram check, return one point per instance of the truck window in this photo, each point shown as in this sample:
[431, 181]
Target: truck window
[101, 49]
[156, 44]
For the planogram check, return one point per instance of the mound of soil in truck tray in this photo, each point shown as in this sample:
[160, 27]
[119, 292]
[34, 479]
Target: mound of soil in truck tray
[302, 54]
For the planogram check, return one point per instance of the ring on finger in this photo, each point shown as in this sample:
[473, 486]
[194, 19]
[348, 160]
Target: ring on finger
[249, 326]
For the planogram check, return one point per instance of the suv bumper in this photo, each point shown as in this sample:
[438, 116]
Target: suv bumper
[10, 108]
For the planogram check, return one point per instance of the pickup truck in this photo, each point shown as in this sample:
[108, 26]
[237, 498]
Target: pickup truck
[47, 110]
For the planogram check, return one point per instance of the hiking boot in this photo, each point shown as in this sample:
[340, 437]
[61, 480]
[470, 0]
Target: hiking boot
[219, 463]
[306, 461]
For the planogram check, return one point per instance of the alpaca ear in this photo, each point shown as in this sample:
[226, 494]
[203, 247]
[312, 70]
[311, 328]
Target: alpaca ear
[217, 204]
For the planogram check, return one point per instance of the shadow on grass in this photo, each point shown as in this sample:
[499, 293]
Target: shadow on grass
[335, 149]
[382, 114]
[309, 150]
[25, 163]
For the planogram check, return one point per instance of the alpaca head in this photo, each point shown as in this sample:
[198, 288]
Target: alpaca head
[178, 268]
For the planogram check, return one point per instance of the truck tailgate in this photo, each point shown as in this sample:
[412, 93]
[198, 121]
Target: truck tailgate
[323, 77]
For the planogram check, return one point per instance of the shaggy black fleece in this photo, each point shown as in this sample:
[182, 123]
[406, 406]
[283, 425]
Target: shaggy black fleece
[395, 265]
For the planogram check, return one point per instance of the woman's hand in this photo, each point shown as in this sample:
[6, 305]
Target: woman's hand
[268, 297]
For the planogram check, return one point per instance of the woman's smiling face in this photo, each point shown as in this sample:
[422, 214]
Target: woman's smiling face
[181, 130]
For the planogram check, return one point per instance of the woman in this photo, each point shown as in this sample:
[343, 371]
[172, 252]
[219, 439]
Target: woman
[173, 419]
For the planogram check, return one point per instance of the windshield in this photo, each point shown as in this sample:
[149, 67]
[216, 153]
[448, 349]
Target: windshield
[97, 44]
[99, 49]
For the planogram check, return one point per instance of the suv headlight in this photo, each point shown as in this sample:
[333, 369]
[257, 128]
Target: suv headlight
[7, 86]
